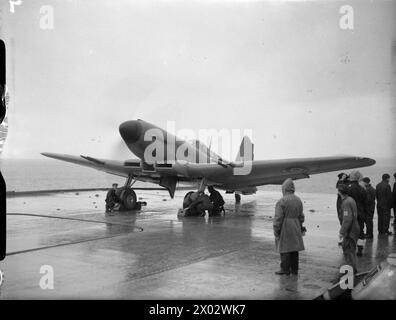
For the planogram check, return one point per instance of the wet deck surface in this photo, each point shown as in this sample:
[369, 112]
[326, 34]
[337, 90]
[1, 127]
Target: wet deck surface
[153, 254]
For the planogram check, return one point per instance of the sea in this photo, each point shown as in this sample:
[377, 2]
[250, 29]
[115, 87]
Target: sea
[49, 174]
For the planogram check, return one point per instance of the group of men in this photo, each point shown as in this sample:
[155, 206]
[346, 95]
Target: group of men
[355, 209]
[197, 203]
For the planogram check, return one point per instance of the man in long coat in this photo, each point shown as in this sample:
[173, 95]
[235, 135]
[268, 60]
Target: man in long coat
[288, 221]
[384, 204]
[371, 207]
[350, 229]
[359, 194]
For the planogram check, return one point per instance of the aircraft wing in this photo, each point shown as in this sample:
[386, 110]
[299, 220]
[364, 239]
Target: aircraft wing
[276, 171]
[119, 168]
[165, 175]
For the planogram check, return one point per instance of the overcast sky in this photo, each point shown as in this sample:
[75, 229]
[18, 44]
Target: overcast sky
[283, 69]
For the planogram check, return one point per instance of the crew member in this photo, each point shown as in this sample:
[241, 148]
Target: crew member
[371, 207]
[111, 198]
[217, 201]
[358, 193]
[394, 204]
[199, 203]
[384, 204]
[349, 232]
[342, 179]
[287, 225]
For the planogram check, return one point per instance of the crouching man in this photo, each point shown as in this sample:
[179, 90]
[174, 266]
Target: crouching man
[288, 221]
[112, 200]
[350, 230]
[196, 204]
[217, 200]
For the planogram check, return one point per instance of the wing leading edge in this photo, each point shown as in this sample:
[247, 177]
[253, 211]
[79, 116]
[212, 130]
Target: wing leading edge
[110, 166]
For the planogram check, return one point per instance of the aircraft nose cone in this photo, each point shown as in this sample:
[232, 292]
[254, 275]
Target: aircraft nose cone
[131, 130]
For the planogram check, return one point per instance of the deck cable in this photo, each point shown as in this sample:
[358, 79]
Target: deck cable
[139, 229]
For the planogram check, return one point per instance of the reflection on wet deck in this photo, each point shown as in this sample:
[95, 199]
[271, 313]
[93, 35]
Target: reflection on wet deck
[155, 254]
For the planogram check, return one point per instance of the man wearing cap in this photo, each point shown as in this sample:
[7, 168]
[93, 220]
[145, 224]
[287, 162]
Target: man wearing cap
[349, 232]
[287, 225]
[112, 198]
[384, 204]
[371, 207]
[358, 193]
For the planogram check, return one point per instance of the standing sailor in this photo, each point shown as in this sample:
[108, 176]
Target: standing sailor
[394, 204]
[287, 225]
[342, 179]
[349, 232]
[358, 193]
[384, 204]
[371, 207]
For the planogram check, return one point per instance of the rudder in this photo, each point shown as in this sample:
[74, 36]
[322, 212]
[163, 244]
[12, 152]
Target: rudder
[246, 150]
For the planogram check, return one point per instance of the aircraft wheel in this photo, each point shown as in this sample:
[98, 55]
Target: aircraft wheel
[129, 199]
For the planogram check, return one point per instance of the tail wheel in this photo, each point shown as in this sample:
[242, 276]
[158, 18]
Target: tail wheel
[129, 199]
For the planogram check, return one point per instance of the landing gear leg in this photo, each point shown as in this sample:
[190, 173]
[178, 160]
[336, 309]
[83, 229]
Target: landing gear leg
[202, 185]
[129, 182]
[237, 198]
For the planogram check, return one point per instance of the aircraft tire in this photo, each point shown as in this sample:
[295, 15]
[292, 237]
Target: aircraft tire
[129, 199]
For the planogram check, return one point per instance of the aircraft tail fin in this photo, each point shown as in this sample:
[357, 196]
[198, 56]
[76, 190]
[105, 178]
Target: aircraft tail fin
[246, 149]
